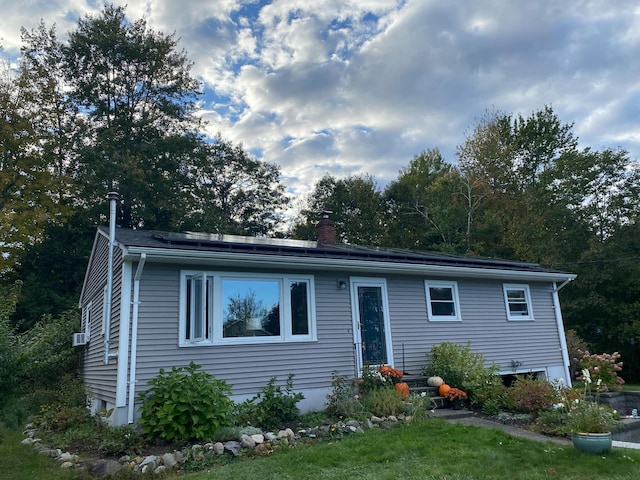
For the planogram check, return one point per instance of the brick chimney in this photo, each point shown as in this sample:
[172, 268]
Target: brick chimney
[326, 230]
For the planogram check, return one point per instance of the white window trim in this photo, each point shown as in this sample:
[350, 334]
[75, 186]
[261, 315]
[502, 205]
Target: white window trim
[215, 333]
[457, 317]
[527, 297]
[87, 322]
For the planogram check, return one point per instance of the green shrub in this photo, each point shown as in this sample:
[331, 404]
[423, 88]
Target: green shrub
[185, 404]
[551, 422]
[384, 402]
[460, 367]
[271, 408]
[58, 418]
[122, 440]
[603, 369]
[344, 399]
[15, 413]
[315, 417]
[491, 407]
[8, 344]
[21, 405]
[46, 353]
[532, 396]
[60, 408]
[494, 392]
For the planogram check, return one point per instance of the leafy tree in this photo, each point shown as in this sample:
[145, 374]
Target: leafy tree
[111, 109]
[357, 207]
[52, 271]
[138, 96]
[485, 161]
[233, 193]
[25, 181]
[486, 154]
[537, 142]
[603, 304]
[426, 205]
[601, 188]
[512, 162]
[57, 120]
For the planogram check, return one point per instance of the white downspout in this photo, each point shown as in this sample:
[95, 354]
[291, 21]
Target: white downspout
[560, 324]
[134, 337]
[113, 199]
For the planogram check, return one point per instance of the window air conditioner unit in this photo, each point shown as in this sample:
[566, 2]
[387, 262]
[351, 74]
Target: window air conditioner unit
[79, 339]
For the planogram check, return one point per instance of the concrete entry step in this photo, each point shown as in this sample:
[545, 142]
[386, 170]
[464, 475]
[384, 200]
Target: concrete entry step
[449, 414]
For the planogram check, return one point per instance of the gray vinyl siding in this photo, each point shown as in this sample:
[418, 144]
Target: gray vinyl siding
[484, 323]
[100, 379]
[246, 367]
[249, 367]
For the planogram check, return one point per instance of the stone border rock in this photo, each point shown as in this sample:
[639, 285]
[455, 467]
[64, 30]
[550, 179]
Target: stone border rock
[260, 443]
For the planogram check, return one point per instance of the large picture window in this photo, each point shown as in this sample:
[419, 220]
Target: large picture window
[240, 308]
[442, 300]
[518, 302]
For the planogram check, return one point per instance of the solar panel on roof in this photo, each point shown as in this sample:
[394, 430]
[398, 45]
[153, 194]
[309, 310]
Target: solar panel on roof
[210, 241]
[202, 238]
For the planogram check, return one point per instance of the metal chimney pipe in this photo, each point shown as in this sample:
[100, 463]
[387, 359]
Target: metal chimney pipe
[113, 198]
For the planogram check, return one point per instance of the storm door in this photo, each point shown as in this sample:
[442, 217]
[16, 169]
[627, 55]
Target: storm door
[372, 333]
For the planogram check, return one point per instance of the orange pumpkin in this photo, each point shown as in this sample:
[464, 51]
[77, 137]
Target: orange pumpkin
[403, 389]
[444, 389]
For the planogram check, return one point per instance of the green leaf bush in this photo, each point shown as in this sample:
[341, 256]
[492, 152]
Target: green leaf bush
[272, 408]
[46, 353]
[185, 404]
[462, 368]
[8, 343]
[532, 395]
[383, 402]
[344, 399]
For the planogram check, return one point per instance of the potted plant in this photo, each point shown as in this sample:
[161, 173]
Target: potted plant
[590, 422]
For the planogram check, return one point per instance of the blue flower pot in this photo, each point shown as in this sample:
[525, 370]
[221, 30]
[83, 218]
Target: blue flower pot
[592, 442]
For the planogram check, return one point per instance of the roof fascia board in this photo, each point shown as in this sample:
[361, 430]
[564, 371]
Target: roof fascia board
[158, 255]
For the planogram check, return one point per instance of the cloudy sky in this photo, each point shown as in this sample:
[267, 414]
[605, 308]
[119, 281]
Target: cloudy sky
[360, 86]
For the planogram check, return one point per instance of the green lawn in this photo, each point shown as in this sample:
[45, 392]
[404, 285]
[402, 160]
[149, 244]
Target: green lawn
[435, 450]
[630, 387]
[432, 450]
[20, 462]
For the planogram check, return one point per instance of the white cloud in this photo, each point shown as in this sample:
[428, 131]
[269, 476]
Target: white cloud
[360, 86]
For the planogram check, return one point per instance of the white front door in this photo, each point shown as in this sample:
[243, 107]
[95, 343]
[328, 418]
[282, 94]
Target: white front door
[372, 331]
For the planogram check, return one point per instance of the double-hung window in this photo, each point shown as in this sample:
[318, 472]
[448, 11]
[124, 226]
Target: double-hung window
[442, 300]
[221, 308]
[518, 302]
